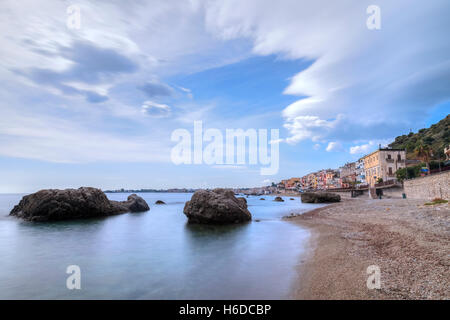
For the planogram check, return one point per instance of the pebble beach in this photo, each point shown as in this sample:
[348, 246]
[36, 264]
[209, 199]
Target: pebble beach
[408, 240]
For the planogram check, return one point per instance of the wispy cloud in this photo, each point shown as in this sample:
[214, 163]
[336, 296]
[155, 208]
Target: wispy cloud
[89, 65]
[379, 82]
[334, 146]
[156, 89]
[154, 109]
[56, 140]
[360, 85]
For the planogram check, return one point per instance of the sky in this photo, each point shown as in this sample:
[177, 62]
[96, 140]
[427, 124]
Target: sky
[96, 103]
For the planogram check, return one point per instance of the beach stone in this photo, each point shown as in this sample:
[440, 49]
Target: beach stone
[85, 202]
[159, 202]
[218, 206]
[320, 197]
[278, 199]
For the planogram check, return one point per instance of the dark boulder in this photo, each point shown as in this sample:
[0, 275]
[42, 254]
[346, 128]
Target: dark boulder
[278, 199]
[218, 206]
[134, 203]
[242, 201]
[262, 199]
[291, 199]
[159, 202]
[320, 197]
[85, 202]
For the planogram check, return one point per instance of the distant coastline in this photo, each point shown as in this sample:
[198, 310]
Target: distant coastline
[151, 190]
[256, 191]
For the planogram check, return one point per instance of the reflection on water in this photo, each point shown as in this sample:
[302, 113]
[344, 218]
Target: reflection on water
[152, 255]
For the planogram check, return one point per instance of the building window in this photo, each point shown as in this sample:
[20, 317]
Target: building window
[399, 157]
[390, 171]
[389, 156]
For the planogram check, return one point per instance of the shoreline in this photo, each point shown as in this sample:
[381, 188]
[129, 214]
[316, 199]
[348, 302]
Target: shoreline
[407, 240]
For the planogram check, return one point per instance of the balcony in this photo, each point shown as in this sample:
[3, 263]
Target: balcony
[389, 160]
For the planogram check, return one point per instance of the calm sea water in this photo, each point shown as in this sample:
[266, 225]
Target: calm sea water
[152, 255]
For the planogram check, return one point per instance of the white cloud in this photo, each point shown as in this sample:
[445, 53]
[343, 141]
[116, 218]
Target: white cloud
[334, 146]
[157, 110]
[307, 127]
[187, 91]
[55, 140]
[382, 81]
[369, 146]
[362, 149]
[361, 85]
[316, 146]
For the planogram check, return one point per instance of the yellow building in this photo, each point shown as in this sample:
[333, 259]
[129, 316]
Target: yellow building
[383, 163]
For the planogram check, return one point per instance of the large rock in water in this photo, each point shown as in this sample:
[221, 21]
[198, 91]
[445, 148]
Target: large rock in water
[320, 197]
[85, 202]
[134, 203]
[218, 206]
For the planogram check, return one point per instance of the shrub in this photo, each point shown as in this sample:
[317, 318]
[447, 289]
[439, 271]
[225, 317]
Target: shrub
[436, 201]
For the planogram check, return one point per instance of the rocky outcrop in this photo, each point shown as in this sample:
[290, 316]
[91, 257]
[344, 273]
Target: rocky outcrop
[134, 203]
[218, 206]
[85, 202]
[320, 197]
[278, 199]
[159, 202]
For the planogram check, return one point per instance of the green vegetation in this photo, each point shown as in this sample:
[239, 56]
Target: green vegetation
[423, 152]
[433, 139]
[409, 172]
[436, 201]
[414, 171]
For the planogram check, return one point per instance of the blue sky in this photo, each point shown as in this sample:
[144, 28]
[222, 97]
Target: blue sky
[96, 106]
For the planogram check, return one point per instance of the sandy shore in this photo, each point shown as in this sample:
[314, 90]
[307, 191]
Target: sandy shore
[409, 241]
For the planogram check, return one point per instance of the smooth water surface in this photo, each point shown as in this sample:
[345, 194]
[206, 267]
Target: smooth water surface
[152, 255]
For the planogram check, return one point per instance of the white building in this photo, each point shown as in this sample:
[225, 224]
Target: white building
[360, 172]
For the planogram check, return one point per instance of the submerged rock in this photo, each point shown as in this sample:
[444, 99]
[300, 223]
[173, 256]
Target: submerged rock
[85, 202]
[320, 197]
[291, 199]
[262, 199]
[218, 206]
[159, 202]
[279, 199]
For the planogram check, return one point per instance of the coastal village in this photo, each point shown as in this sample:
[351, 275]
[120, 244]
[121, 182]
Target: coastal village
[374, 171]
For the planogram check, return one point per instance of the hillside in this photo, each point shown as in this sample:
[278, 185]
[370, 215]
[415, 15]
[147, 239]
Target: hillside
[437, 137]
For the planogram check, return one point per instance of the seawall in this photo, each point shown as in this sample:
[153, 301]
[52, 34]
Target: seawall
[429, 187]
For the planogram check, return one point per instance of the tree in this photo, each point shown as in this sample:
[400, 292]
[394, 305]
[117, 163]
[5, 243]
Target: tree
[401, 174]
[423, 152]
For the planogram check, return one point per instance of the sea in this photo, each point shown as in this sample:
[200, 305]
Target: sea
[154, 254]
